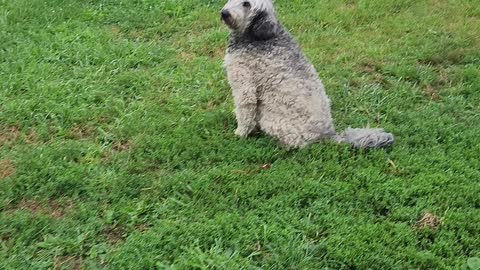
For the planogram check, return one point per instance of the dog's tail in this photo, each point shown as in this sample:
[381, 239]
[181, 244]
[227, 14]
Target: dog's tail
[365, 137]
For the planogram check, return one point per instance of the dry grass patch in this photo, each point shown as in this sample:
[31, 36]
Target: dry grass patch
[53, 208]
[428, 221]
[67, 262]
[7, 168]
[9, 134]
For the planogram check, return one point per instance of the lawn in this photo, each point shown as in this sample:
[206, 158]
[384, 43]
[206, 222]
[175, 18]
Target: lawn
[117, 145]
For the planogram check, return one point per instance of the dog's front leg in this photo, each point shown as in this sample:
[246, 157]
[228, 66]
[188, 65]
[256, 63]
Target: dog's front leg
[245, 112]
[244, 93]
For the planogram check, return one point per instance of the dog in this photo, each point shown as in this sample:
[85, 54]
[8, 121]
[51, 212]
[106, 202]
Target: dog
[275, 88]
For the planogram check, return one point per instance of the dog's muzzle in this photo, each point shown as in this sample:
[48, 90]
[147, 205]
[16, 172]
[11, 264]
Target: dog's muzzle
[226, 17]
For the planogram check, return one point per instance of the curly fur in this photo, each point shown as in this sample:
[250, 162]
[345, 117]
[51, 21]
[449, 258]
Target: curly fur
[275, 87]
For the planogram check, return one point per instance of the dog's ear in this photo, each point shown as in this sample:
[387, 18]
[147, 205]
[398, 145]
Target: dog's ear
[263, 27]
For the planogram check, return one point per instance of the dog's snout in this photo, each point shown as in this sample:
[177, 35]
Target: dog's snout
[225, 14]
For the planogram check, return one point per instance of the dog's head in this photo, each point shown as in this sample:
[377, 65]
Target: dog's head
[252, 17]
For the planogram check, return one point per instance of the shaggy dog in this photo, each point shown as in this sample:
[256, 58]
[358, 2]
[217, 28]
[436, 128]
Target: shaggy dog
[275, 88]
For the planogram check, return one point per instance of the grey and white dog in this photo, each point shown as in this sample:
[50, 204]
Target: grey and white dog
[275, 88]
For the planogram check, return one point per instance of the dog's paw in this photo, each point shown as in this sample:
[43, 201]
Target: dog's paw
[242, 132]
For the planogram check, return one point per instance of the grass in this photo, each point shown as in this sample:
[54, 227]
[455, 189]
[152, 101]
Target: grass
[117, 148]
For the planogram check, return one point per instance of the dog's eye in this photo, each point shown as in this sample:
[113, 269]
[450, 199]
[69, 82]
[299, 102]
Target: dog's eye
[246, 4]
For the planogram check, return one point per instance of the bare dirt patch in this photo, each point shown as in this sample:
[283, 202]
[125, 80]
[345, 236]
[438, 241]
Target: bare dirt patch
[81, 132]
[137, 34]
[70, 262]
[114, 234]
[122, 146]
[374, 70]
[57, 210]
[9, 134]
[116, 31]
[369, 66]
[53, 209]
[142, 227]
[7, 168]
[12, 134]
[186, 56]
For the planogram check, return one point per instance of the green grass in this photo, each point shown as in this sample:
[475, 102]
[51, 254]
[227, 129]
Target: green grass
[117, 148]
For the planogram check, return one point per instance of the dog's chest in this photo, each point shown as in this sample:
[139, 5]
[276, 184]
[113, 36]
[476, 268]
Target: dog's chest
[257, 68]
[244, 60]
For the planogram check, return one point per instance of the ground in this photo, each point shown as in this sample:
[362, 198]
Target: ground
[117, 145]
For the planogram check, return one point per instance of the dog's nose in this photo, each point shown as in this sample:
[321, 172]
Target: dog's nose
[225, 14]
